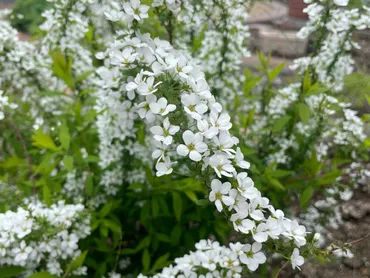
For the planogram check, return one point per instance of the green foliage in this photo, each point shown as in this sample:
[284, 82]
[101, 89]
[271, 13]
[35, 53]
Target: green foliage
[357, 89]
[305, 174]
[26, 15]
[11, 271]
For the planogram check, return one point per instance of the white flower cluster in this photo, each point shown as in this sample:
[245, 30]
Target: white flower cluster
[74, 185]
[329, 63]
[37, 234]
[213, 260]
[328, 210]
[170, 93]
[222, 26]
[24, 71]
[352, 131]
[65, 26]
[4, 102]
[332, 61]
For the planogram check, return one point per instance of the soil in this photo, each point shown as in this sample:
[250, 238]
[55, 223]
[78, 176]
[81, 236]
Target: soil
[355, 228]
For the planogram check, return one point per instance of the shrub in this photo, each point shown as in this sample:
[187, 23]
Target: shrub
[109, 113]
[26, 15]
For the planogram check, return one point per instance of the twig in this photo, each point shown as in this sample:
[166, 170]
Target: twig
[28, 157]
[67, 272]
[280, 269]
[119, 252]
[358, 240]
[170, 28]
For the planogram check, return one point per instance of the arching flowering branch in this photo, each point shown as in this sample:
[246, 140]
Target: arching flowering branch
[212, 260]
[40, 238]
[186, 121]
[335, 25]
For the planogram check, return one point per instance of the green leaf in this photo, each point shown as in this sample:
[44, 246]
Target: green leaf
[155, 207]
[275, 183]
[143, 243]
[250, 118]
[112, 225]
[43, 141]
[106, 209]
[312, 166]
[263, 60]
[89, 186]
[368, 98]
[330, 178]
[306, 196]
[77, 262]
[303, 111]
[68, 163]
[163, 237]
[11, 271]
[280, 123]
[367, 143]
[275, 72]
[161, 262]
[46, 194]
[92, 158]
[177, 205]
[306, 82]
[176, 234]
[43, 274]
[203, 202]
[279, 173]
[191, 195]
[62, 67]
[145, 259]
[83, 76]
[64, 136]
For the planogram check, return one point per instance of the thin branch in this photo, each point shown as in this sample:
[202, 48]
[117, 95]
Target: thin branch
[28, 157]
[358, 240]
[280, 269]
[118, 253]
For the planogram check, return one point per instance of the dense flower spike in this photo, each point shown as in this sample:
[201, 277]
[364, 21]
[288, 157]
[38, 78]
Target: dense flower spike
[25, 242]
[153, 103]
[204, 129]
[212, 260]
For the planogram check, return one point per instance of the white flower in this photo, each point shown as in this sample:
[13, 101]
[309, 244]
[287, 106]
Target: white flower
[239, 159]
[341, 2]
[193, 147]
[220, 121]
[316, 237]
[261, 235]
[193, 106]
[240, 223]
[246, 186]
[160, 107]
[295, 231]
[296, 259]
[224, 143]
[144, 110]
[221, 165]
[208, 131]
[219, 192]
[144, 87]
[164, 168]
[237, 199]
[134, 9]
[160, 152]
[124, 58]
[251, 256]
[114, 15]
[21, 253]
[164, 134]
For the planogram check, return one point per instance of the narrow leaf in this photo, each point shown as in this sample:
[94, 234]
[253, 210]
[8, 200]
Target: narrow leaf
[177, 205]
